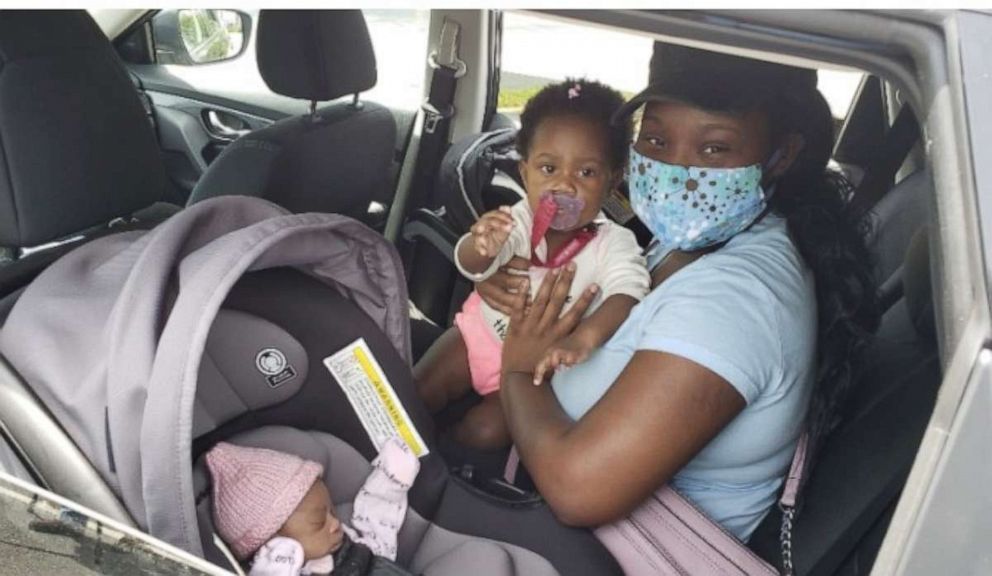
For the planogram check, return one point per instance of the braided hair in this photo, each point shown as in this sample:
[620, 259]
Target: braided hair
[813, 198]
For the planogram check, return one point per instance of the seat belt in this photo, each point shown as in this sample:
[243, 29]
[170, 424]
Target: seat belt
[878, 178]
[437, 111]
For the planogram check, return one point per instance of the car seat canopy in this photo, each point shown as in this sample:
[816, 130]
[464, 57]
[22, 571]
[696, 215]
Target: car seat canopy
[111, 337]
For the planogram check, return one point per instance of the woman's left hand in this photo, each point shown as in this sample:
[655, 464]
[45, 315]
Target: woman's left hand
[535, 328]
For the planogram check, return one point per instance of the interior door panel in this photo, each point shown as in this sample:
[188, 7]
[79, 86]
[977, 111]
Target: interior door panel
[187, 118]
[189, 143]
[213, 84]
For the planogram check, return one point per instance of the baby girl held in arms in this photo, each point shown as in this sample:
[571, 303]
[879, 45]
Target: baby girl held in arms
[572, 159]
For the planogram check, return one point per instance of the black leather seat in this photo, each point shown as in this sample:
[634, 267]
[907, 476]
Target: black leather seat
[76, 148]
[863, 465]
[336, 159]
[894, 220]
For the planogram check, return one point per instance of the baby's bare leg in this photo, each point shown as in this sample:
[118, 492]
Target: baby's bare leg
[483, 426]
[442, 374]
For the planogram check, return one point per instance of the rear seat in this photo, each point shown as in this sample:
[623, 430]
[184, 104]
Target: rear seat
[864, 464]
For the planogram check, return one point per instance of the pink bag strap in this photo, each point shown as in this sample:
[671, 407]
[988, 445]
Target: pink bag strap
[795, 477]
[668, 536]
[787, 503]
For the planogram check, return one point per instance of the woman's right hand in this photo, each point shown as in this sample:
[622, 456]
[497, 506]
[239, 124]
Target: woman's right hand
[536, 326]
[500, 289]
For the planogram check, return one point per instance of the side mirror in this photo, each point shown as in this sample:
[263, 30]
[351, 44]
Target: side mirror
[199, 36]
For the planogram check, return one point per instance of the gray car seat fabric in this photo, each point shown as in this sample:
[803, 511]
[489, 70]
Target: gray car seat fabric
[424, 547]
[323, 322]
[159, 344]
[119, 368]
[337, 160]
[230, 383]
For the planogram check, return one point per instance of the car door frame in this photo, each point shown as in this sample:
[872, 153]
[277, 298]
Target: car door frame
[939, 523]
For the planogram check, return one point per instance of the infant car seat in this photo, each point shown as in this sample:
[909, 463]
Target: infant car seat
[478, 173]
[219, 325]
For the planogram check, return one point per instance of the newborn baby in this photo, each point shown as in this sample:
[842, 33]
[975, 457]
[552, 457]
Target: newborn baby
[275, 506]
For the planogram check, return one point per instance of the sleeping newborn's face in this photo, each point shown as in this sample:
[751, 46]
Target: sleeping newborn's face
[314, 524]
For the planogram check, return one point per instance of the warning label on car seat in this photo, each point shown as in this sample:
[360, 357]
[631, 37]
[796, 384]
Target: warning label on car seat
[372, 397]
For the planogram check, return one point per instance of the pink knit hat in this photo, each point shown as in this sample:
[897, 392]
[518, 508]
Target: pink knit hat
[255, 492]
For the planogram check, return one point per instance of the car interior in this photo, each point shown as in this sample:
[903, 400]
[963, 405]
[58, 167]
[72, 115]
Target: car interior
[97, 138]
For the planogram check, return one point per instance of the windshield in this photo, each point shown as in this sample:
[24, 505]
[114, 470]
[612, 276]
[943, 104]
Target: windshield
[39, 535]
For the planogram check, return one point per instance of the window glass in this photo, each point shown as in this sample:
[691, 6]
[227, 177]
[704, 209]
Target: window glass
[538, 50]
[399, 38]
[839, 88]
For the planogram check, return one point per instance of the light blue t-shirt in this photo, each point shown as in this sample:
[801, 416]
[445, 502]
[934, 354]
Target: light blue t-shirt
[748, 313]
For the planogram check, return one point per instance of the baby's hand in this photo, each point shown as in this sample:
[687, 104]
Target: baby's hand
[566, 353]
[491, 231]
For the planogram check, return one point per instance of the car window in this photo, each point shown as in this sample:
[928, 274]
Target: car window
[399, 38]
[537, 50]
[202, 47]
[40, 535]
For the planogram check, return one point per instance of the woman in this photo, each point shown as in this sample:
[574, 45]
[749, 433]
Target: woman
[761, 302]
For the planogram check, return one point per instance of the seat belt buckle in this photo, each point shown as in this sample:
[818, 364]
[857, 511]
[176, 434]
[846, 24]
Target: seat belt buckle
[434, 115]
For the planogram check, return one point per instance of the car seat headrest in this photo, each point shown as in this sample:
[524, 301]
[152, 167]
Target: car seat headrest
[894, 220]
[315, 54]
[248, 364]
[917, 289]
[76, 147]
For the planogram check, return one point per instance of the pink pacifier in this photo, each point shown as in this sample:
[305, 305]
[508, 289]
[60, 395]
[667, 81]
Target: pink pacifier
[559, 212]
[567, 210]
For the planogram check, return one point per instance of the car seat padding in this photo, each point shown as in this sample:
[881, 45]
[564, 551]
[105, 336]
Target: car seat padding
[324, 321]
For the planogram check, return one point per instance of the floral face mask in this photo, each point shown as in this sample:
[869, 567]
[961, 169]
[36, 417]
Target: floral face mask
[688, 207]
